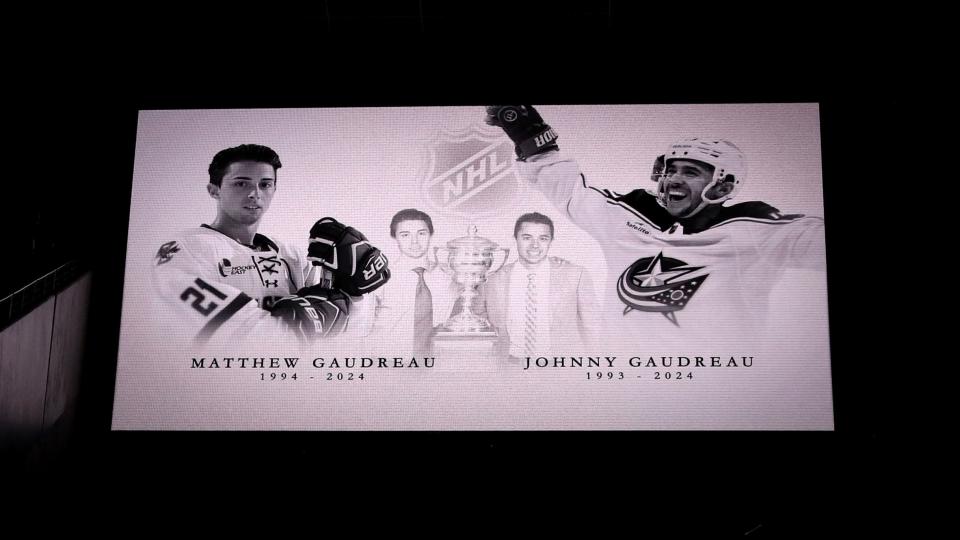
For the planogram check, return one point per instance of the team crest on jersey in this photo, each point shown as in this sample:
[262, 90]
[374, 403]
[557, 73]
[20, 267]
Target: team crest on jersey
[659, 285]
[469, 173]
[166, 252]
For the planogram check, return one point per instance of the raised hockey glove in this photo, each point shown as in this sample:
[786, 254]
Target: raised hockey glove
[314, 312]
[525, 127]
[358, 267]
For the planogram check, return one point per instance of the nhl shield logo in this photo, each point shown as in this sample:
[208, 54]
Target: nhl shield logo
[470, 173]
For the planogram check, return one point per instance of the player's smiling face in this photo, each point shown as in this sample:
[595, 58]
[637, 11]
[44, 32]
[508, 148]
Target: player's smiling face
[245, 193]
[682, 185]
[413, 238]
[533, 242]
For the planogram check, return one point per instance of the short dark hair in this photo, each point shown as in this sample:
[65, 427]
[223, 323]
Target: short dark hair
[533, 217]
[409, 214]
[244, 152]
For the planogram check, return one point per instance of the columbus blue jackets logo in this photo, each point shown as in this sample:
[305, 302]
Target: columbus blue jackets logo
[469, 173]
[166, 252]
[659, 285]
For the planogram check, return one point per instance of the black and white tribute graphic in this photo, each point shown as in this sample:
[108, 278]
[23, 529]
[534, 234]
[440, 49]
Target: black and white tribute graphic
[637, 267]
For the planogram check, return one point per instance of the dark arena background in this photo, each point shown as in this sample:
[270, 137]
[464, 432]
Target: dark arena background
[76, 126]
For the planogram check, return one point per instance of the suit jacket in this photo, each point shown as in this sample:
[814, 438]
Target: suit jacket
[574, 313]
[395, 303]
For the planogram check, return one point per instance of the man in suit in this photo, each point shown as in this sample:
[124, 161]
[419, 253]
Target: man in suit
[419, 297]
[541, 304]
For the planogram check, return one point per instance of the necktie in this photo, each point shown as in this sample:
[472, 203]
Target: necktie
[422, 314]
[530, 316]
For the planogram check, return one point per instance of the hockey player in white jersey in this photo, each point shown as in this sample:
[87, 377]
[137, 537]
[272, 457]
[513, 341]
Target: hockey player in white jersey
[682, 264]
[226, 281]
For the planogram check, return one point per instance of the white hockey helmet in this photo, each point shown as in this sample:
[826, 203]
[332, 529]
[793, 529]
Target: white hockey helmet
[726, 159]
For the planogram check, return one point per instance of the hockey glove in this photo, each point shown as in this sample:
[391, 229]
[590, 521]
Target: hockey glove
[358, 267]
[525, 127]
[314, 312]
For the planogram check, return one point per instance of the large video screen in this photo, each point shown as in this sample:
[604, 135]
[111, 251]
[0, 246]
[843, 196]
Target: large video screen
[513, 267]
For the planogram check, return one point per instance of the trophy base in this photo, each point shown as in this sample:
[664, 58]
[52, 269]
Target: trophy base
[467, 324]
[443, 333]
[466, 351]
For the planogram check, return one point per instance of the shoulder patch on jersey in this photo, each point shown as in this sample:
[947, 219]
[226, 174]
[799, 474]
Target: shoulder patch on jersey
[166, 251]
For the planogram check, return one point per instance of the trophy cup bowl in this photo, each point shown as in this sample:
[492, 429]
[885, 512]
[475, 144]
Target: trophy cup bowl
[469, 259]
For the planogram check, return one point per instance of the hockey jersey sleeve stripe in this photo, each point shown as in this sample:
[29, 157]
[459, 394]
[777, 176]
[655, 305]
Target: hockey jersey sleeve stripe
[781, 221]
[217, 321]
[604, 192]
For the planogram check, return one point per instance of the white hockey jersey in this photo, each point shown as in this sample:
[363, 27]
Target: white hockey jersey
[219, 287]
[679, 284]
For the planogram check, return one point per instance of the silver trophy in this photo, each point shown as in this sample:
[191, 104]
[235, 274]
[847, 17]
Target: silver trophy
[469, 259]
